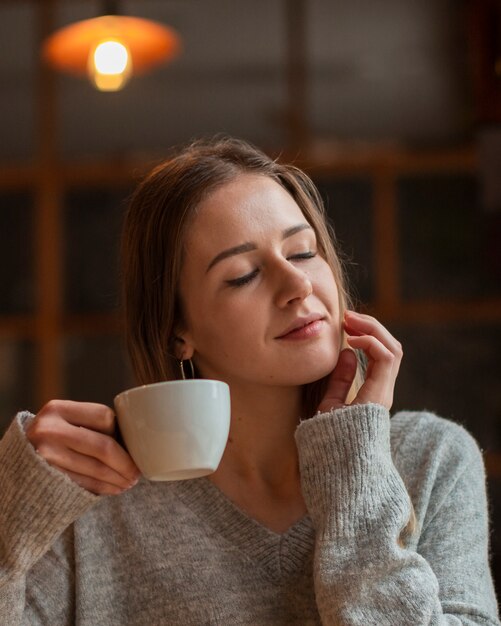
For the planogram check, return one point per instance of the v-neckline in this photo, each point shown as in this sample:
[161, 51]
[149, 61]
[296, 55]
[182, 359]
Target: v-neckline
[279, 554]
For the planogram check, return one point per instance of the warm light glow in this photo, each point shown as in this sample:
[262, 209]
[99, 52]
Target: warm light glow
[111, 57]
[110, 65]
[72, 49]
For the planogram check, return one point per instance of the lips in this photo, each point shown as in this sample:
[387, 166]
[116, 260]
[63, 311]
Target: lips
[301, 322]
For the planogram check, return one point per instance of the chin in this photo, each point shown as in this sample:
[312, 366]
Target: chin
[314, 371]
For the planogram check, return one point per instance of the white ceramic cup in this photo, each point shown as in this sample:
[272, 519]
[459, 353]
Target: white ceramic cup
[176, 429]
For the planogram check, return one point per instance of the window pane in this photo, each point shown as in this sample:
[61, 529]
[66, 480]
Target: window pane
[92, 227]
[18, 73]
[454, 371]
[16, 253]
[387, 71]
[445, 239]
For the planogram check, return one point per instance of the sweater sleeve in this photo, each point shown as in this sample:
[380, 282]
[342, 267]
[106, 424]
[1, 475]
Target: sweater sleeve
[359, 506]
[37, 504]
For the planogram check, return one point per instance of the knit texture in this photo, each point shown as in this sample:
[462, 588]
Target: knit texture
[183, 553]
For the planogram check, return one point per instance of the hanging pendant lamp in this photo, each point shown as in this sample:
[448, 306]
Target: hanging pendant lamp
[111, 48]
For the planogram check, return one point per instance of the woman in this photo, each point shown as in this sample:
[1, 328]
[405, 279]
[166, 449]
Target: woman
[322, 511]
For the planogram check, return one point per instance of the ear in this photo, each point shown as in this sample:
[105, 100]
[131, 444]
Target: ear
[183, 346]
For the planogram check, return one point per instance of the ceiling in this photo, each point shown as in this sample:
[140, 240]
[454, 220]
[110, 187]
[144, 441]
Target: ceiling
[389, 70]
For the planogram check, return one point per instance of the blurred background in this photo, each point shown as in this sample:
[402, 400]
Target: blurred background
[393, 108]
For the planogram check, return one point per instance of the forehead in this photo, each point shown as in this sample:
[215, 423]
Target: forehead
[247, 208]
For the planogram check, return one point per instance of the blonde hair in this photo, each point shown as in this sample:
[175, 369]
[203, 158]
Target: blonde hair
[158, 215]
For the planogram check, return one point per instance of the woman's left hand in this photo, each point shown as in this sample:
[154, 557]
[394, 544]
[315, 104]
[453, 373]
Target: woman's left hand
[384, 354]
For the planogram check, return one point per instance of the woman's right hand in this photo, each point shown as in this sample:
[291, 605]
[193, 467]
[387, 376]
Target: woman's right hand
[78, 439]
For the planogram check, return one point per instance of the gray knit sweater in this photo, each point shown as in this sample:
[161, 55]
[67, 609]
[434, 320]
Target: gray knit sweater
[183, 554]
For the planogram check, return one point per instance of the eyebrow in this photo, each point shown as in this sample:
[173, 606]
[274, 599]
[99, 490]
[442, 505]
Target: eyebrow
[249, 245]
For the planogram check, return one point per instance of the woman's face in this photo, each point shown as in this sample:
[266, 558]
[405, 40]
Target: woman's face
[260, 304]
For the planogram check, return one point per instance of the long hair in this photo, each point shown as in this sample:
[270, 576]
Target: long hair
[156, 220]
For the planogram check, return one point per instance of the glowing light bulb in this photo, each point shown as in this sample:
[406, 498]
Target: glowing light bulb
[110, 65]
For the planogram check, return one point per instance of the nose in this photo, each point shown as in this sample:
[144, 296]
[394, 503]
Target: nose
[293, 285]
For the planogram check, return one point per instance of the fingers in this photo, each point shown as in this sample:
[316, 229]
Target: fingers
[357, 324]
[379, 381]
[340, 381]
[95, 486]
[97, 417]
[86, 452]
[76, 438]
[384, 355]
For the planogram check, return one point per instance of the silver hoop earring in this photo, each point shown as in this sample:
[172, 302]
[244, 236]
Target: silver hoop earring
[192, 369]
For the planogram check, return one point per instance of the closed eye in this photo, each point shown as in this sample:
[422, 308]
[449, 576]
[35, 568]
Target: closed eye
[247, 278]
[302, 256]
[243, 280]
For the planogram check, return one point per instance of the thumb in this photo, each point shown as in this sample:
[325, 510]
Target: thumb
[340, 381]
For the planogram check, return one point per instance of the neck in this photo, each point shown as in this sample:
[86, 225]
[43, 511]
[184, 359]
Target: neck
[259, 470]
[261, 449]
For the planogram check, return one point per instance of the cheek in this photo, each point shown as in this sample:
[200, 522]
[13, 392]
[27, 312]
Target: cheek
[327, 289]
[224, 331]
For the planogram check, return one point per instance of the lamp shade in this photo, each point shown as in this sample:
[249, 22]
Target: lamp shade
[149, 43]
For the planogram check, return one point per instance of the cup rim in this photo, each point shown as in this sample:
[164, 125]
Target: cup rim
[166, 382]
